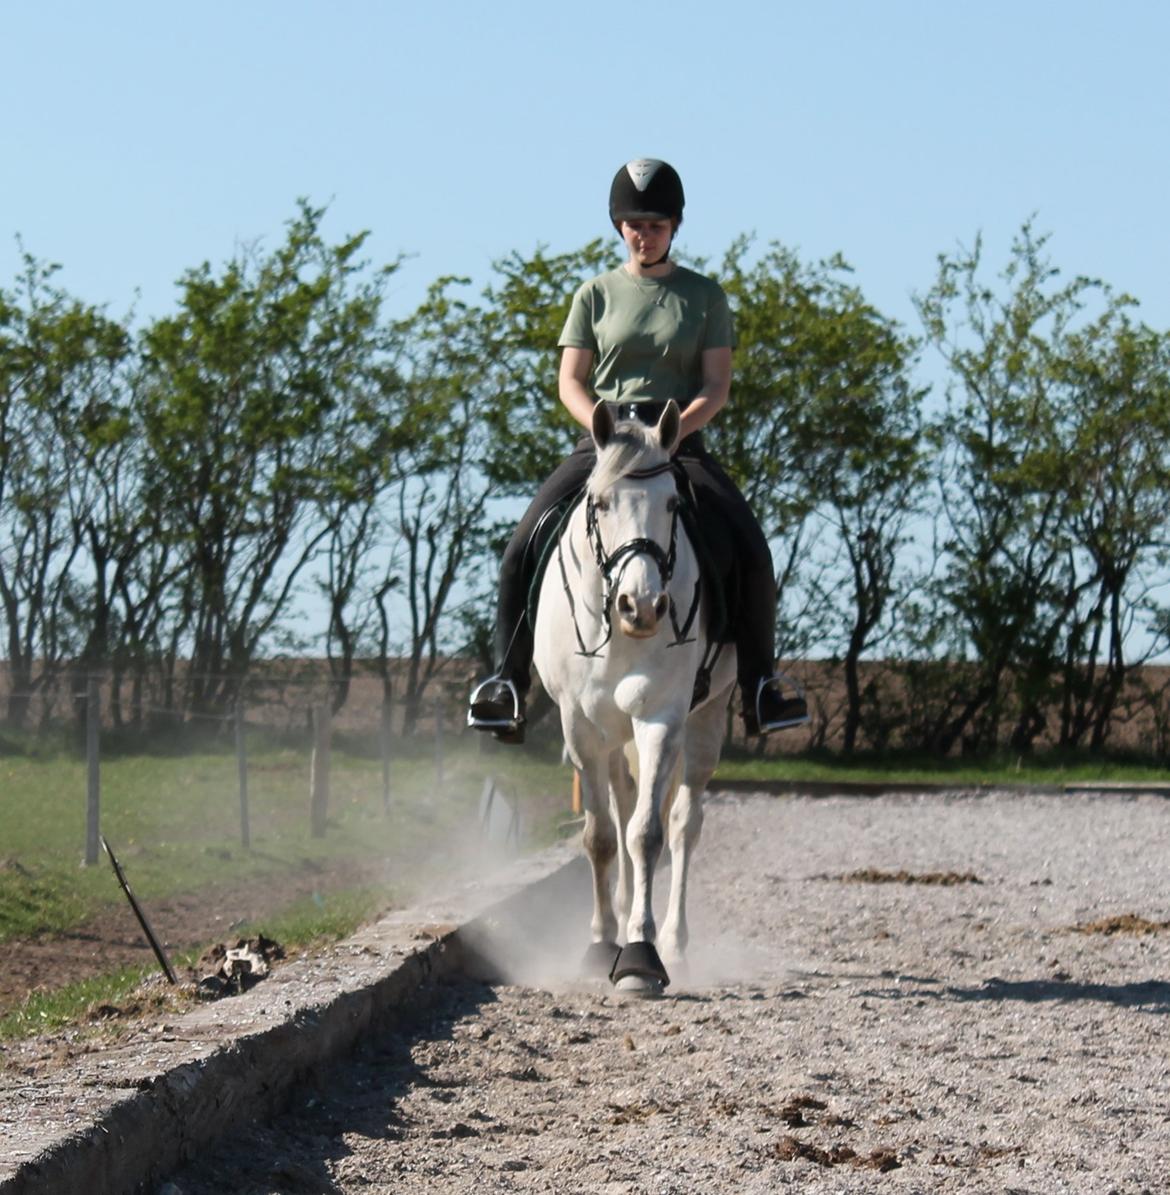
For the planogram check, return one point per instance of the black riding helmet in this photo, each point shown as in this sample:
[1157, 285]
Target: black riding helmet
[646, 189]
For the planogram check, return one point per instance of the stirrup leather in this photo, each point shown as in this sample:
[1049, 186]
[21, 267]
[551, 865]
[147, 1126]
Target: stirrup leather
[480, 721]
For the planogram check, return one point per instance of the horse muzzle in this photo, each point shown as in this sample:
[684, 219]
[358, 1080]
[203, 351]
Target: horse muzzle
[641, 617]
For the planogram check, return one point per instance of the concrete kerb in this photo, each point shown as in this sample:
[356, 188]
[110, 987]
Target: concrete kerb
[117, 1120]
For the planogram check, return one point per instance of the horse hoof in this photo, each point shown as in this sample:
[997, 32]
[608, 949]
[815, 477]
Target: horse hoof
[599, 960]
[641, 987]
[638, 970]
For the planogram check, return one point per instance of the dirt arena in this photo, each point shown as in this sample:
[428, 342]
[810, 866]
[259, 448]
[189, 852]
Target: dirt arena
[963, 993]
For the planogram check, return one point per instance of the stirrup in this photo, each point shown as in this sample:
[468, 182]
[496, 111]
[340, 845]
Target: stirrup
[486, 716]
[795, 715]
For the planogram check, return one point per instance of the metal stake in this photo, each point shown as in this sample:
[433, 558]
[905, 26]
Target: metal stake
[155, 945]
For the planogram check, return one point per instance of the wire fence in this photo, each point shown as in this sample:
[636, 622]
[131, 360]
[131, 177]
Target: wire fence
[296, 709]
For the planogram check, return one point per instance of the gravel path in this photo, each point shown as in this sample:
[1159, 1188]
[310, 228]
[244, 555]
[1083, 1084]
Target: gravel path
[901, 994]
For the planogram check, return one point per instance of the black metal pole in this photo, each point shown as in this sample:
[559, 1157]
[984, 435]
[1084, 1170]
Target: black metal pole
[155, 945]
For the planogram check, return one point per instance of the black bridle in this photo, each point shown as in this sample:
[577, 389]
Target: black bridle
[611, 564]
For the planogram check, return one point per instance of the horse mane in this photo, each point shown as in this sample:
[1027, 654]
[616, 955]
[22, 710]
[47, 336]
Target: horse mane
[632, 446]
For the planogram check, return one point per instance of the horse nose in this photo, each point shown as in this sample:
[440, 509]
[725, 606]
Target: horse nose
[640, 616]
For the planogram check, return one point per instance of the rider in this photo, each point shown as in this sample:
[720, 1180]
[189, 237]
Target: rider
[653, 330]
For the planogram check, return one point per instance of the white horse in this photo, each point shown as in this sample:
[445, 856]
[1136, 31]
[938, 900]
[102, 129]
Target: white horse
[620, 634]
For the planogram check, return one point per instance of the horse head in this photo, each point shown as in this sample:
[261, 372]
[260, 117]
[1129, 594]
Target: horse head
[632, 517]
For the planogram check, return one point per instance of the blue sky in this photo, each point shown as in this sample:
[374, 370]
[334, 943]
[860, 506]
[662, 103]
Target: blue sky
[142, 139]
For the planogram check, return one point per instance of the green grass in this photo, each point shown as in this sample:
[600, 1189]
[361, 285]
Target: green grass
[315, 919]
[44, 1012]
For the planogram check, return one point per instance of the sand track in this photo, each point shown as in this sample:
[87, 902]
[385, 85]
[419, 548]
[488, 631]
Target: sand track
[928, 994]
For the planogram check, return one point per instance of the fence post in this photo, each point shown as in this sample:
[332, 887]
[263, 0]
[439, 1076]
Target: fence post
[242, 770]
[93, 803]
[386, 730]
[319, 772]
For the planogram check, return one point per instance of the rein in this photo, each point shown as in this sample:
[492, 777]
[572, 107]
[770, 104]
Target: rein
[611, 565]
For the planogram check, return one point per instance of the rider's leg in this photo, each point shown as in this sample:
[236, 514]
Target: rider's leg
[765, 705]
[497, 704]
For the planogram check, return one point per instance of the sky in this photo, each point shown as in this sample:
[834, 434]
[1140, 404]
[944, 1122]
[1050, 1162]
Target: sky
[140, 140]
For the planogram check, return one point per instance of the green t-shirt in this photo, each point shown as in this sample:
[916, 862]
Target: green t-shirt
[647, 335]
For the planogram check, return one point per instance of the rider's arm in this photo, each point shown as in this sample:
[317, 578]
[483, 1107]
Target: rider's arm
[573, 384]
[712, 394]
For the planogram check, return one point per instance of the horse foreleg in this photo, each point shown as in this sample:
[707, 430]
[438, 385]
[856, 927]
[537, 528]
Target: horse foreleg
[686, 824]
[704, 742]
[658, 748]
[601, 846]
[621, 796]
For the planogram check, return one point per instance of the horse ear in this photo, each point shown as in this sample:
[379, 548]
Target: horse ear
[602, 426]
[669, 425]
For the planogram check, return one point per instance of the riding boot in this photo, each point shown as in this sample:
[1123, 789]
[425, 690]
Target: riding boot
[765, 706]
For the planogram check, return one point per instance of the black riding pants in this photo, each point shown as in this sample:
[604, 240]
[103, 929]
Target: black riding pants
[726, 519]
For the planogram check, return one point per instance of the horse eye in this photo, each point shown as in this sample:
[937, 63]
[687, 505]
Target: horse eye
[601, 504]
[672, 504]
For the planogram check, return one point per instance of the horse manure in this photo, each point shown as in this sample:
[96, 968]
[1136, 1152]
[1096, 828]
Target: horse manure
[883, 1160]
[793, 1112]
[1124, 923]
[792, 1148]
[873, 875]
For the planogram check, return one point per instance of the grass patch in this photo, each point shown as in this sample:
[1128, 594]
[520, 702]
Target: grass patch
[32, 901]
[304, 924]
[44, 1012]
